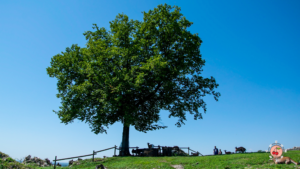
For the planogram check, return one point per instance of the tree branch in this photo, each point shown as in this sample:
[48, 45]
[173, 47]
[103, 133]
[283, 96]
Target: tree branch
[150, 95]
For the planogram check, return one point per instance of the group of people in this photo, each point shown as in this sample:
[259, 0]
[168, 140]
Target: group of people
[216, 151]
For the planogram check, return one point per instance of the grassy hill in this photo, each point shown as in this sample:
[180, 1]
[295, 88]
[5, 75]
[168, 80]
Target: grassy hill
[247, 160]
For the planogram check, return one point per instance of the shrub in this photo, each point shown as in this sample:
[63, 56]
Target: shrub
[9, 159]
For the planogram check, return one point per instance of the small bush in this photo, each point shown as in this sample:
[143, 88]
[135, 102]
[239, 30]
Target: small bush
[9, 160]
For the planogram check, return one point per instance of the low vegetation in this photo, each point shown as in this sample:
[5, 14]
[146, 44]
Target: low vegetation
[230, 161]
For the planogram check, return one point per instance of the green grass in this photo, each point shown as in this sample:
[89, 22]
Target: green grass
[251, 160]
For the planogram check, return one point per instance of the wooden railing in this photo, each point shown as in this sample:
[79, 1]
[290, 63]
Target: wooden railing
[178, 147]
[94, 153]
[115, 147]
[192, 150]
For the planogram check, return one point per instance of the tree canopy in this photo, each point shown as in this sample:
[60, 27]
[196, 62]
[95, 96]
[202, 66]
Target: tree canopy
[133, 71]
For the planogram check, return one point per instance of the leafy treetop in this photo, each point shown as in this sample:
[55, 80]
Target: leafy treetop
[133, 71]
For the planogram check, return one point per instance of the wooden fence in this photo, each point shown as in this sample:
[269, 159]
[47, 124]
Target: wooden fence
[181, 148]
[192, 150]
[94, 153]
[115, 147]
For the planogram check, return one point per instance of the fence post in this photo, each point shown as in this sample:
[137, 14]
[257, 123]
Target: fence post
[93, 154]
[55, 162]
[188, 150]
[115, 150]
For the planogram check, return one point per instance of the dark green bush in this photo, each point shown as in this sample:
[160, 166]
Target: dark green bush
[9, 160]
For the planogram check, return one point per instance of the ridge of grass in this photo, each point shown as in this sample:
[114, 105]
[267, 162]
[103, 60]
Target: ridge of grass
[229, 161]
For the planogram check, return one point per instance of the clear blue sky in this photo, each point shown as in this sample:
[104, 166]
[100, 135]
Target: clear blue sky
[250, 47]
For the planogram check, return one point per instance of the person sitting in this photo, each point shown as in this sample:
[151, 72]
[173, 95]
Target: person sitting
[215, 151]
[220, 152]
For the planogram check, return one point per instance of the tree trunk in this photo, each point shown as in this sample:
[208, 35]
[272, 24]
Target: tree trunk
[125, 141]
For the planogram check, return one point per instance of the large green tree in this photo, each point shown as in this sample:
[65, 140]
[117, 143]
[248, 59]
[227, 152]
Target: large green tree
[131, 72]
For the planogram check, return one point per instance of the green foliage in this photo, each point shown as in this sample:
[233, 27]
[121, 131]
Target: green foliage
[9, 160]
[3, 155]
[7, 164]
[132, 71]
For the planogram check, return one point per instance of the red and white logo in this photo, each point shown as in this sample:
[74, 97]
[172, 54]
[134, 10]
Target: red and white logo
[276, 150]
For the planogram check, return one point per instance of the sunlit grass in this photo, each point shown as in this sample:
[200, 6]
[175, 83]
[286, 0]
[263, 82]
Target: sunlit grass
[251, 160]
